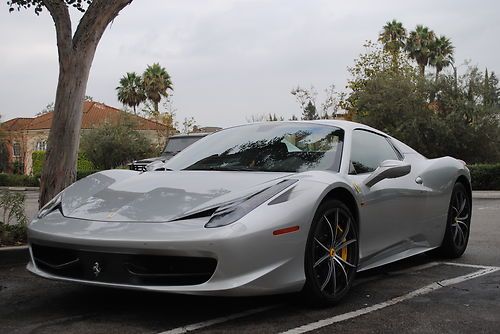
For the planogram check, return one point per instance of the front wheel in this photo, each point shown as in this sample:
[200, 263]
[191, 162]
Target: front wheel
[332, 254]
[458, 224]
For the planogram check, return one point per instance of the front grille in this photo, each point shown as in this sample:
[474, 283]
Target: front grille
[119, 268]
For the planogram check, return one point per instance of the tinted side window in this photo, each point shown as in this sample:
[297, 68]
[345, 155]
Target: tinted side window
[369, 150]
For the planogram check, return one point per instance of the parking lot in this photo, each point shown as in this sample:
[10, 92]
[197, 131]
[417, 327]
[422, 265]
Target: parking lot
[419, 295]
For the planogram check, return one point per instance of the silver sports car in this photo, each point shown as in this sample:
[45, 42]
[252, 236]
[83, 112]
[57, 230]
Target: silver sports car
[257, 209]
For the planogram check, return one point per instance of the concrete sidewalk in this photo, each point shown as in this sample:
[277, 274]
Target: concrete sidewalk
[486, 194]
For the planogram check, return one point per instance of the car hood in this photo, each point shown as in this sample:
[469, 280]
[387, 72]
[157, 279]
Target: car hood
[123, 195]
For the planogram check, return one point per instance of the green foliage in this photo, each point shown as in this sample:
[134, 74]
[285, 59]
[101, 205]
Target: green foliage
[437, 119]
[4, 162]
[80, 174]
[485, 177]
[419, 46]
[393, 38]
[451, 115]
[112, 145]
[16, 180]
[4, 156]
[441, 54]
[310, 112]
[131, 90]
[307, 100]
[12, 205]
[38, 159]
[84, 164]
[14, 224]
[156, 83]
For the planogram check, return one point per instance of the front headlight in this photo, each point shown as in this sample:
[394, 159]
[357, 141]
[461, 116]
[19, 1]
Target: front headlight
[230, 213]
[52, 205]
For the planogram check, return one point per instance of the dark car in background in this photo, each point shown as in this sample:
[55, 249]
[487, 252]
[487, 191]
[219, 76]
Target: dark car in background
[174, 145]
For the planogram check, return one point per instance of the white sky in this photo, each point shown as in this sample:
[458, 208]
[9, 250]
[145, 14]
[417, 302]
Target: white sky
[229, 59]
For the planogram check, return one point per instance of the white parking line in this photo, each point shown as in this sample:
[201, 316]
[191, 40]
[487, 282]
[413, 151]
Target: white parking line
[341, 317]
[425, 290]
[203, 324]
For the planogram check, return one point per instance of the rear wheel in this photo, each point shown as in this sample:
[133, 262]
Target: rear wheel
[458, 225]
[332, 255]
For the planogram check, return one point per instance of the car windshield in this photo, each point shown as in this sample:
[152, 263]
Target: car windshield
[177, 144]
[269, 147]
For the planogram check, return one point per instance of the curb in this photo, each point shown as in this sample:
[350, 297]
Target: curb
[485, 194]
[20, 188]
[14, 255]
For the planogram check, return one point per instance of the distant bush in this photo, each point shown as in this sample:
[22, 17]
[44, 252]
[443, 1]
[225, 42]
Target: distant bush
[16, 180]
[113, 145]
[38, 157]
[485, 176]
[84, 173]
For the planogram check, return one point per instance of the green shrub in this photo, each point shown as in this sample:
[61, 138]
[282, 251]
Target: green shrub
[485, 176]
[84, 173]
[38, 157]
[13, 228]
[84, 164]
[114, 144]
[16, 180]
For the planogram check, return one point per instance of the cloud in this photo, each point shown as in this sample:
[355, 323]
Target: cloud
[231, 59]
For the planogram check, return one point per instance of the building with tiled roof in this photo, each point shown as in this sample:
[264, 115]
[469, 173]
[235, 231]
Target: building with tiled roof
[26, 135]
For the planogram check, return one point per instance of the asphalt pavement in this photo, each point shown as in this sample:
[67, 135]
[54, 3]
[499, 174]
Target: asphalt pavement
[418, 295]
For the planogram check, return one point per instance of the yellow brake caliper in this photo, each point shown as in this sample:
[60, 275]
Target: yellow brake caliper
[343, 251]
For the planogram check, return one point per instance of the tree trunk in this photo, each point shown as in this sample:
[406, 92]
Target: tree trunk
[422, 69]
[76, 53]
[156, 108]
[64, 139]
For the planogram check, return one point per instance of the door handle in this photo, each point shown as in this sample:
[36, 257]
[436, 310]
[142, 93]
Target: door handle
[419, 180]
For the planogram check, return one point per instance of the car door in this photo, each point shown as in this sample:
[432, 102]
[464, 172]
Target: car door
[391, 210]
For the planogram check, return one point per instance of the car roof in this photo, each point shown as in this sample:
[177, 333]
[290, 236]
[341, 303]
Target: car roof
[343, 124]
[198, 134]
[346, 126]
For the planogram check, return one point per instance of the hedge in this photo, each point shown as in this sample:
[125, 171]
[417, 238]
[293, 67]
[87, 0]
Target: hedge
[16, 180]
[485, 176]
[38, 157]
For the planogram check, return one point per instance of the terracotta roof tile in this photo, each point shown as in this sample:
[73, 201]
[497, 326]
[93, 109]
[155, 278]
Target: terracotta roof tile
[94, 115]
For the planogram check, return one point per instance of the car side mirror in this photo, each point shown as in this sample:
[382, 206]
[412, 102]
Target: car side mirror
[388, 169]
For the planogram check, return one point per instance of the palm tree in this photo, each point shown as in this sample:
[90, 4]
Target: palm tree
[441, 54]
[419, 46]
[393, 37]
[130, 91]
[156, 82]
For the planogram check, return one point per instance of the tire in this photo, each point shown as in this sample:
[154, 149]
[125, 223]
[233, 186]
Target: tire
[331, 254]
[457, 231]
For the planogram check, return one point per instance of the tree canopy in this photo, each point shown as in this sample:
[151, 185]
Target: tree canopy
[456, 115]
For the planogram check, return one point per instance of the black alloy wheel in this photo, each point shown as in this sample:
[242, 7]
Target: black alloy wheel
[332, 253]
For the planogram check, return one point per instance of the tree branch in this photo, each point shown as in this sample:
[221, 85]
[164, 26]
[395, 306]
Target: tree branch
[98, 16]
[60, 14]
